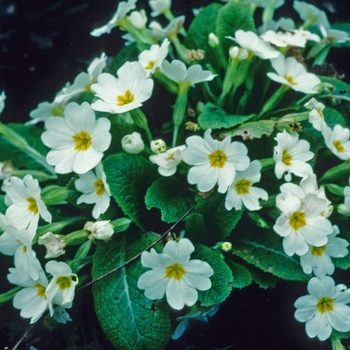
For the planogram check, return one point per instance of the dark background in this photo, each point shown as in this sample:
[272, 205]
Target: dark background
[44, 44]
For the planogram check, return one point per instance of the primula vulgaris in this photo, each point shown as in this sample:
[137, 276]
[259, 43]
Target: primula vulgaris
[337, 140]
[78, 140]
[25, 204]
[316, 116]
[324, 309]
[214, 162]
[312, 15]
[153, 58]
[318, 259]
[122, 94]
[291, 155]
[95, 189]
[158, 33]
[302, 222]
[159, 7]
[254, 45]
[133, 143]
[241, 192]
[46, 109]
[168, 160]
[293, 74]
[53, 243]
[174, 274]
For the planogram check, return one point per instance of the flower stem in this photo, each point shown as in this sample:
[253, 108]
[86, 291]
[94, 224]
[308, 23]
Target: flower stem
[179, 112]
[273, 101]
[140, 120]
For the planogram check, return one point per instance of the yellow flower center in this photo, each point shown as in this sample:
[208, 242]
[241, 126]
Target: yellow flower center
[290, 80]
[320, 112]
[56, 111]
[174, 270]
[64, 282]
[100, 187]
[171, 156]
[297, 220]
[40, 290]
[318, 251]
[150, 65]
[217, 158]
[242, 186]
[337, 144]
[286, 158]
[82, 141]
[126, 99]
[325, 304]
[32, 206]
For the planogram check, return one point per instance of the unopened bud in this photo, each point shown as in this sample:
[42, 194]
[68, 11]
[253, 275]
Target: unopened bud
[213, 40]
[158, 146]
[133, 143]
[53, 243]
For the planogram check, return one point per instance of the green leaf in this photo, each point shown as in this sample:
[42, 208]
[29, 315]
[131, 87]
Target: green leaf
[333, 117]
[221, 280]
[341, 89]
[127, 53]
[171, 196]
[196, 228]
[214, 117]
[251, 130]
[262, 279]
[232, 17]
[241, 275]
[129, 319]
[263, 249]
[129, 176]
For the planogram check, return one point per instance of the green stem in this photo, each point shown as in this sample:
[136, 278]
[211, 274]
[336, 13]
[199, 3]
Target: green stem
[140, 120]
[179, 112]
[9, 295]
[273, 101]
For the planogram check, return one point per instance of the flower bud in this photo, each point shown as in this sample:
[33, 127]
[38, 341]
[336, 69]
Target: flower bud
[226, 246]
[237, 53]
[53, 194]
[133, 143]
[213, 40]
[53, 243]
[102, 230]
[158, 146]
[138, 19]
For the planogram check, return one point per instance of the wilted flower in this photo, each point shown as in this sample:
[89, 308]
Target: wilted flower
[53, 243]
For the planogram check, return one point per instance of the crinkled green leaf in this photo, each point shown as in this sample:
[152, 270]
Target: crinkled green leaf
[333, 117]
[214, 117]
[251, 130]
[196, 228]
[341, 89]
[129, 319]
[241, 275]
[128, 177]
[221, 280]
[171, 196]
[263, 279]
[263, 249]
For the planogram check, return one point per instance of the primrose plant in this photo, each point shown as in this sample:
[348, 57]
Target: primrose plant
[229, 128]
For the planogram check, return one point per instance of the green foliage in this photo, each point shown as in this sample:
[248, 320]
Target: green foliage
[129, 319]
[241, 275]
[127, 53]
[171, 196]
[214, 117]
[221, 280]
[129, 176]
[251, 130]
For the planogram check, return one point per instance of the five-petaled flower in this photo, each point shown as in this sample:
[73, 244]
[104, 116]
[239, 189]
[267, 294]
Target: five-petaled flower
[174, 274]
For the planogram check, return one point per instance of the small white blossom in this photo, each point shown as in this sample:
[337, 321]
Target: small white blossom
[138, 19]
[311, 14]
[214, 162]
[101, 230]
[159, 7]
[170, 31]
[337, 140]
[174, 274]
[122, 94]
[61, 315]
[293, 74]
[158, 146]
[95, 189]
[318, 259]
[53, 243]
[78, 140]
[316, 116]
[241, 192]
[45, 110]
[291, 155]
[168, 161]
[133, 143]
[324, 308]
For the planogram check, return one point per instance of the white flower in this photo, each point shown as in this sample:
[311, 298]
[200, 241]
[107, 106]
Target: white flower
[237, 53]
[170, 31]
[302, 222]
[53, 243]
[101, 230]
[241, 192]
[316, 117]
[333, 36]
[324, 309]
[133, 143]
[61, 315]
[311, 14]
[178, 72]
[307, 35]
[6, 170]
[83, 81]
[95, 190]
[122, 94]
[44, 110]
[78, 140]
[291, 155]
[152, 59]
[293, 74]
[214, 162]
[282, 23]
[159, 7]
[26, 204]
[138, 19]
[337, 140]
[174, 274]
[118, 18]
[283, 39]
[61, 288]
[32, 299]
[318, 259]
[158, 146]
[168, 161]
[2, 101]
[254, 45]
